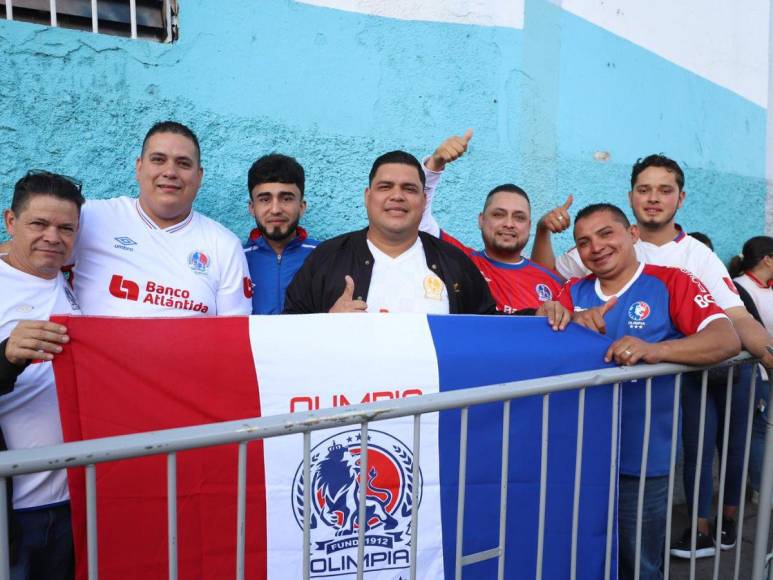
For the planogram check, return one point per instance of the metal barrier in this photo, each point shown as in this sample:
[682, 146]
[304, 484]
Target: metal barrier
[169, 442]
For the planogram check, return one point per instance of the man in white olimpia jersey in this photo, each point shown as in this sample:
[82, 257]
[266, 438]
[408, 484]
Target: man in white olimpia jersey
[154, 255]
[42, 222]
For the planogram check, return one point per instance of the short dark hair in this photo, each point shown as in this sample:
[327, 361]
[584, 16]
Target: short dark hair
[508, 187]
[703, 239]
[172, 127]
[616, 212]
[276, 168]
[658, 160]
[753, 252]
[397, 157]
[37, 182]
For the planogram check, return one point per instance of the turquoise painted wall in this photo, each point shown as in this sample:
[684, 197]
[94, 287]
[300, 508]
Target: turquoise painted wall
[335, 89]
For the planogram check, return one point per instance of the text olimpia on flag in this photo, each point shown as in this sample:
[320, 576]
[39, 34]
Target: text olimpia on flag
[121, 376]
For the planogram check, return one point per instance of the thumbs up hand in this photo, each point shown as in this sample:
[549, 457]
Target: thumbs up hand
[449, 150]
[557, 220]
[593, 318]
[346, 302]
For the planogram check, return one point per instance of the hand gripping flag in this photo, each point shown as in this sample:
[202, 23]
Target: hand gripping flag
[120, 376]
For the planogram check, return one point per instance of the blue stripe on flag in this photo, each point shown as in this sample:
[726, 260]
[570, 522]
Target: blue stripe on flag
[475, 351]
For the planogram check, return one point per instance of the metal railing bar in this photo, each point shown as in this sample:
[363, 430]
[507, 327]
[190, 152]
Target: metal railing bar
[241, 509]
[744, 471]
[91, 521]
[723, 472]
[503, 488]
[5, 560]
[643, 473]
[611, 502]
[577, 480]
[697, 482]
[763, 513]
[363, 519]
[94, 16]
[481, 556]
[171, 512]
[133, 17]
[543, 478]
[672, 472]
[9, 9]
[306, 505]
[461, 491]
[52, 9]
[19, 461]
[416, 474]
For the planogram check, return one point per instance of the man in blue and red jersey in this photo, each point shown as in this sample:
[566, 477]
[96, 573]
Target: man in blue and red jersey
[516, 282]
[278, 246]
[654, 314]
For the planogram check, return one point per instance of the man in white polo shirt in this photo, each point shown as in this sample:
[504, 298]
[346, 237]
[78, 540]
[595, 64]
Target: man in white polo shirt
[42, 222]
[154, 255]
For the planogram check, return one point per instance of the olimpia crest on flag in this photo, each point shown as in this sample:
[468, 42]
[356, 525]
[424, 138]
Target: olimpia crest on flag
[336, 478]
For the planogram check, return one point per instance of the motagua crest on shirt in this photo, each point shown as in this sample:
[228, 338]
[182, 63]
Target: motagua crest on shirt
[335, 487]
[198, 262]
[637, 314]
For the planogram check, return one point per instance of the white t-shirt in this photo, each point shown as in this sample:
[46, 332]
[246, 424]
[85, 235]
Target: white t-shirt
[125, 265]
[29, 415]
[682, 252]
[762, 296]
[405, 283]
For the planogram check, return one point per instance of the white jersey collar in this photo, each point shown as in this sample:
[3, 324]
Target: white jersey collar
[622, 290]
[152, 225]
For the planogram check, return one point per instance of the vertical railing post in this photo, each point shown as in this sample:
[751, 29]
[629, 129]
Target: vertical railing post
[5, 571]
[698, 466]
[306, 504]
[241, 509]
[577, 480]
[723, 471]
[52, 9]
[543, 481]
[416, 474]
[671, 472]
[91, 521]
[611, 500]
[171, 510]
[9, 9]
[363, 519]
[763, 513]
[744, 471]
[460, 494]
[643, 473]
[503, 488]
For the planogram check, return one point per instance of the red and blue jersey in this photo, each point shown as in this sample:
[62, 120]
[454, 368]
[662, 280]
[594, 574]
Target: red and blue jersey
[513, 286]
[659, 303]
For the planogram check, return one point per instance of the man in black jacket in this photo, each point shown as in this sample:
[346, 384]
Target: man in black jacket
[390, 266]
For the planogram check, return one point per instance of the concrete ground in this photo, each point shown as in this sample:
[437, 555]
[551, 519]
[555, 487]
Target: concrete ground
[704, 569]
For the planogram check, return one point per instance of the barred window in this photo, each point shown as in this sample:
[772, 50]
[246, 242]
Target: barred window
[147, 19]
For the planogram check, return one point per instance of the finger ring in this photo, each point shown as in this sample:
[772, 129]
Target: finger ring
[561, 218]
[628, 352]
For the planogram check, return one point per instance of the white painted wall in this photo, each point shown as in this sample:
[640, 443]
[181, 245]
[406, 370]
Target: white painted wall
[724, 41]
[505, 13]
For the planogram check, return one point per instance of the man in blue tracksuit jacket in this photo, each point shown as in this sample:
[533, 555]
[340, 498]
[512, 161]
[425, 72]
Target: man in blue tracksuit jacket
[277, 247]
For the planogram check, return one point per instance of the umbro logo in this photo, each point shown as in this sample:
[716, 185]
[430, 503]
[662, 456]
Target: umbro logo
[125, 243]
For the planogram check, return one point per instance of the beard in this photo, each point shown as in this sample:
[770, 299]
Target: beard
[279, 234]
[512, 249]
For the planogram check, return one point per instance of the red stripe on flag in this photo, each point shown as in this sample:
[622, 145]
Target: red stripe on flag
[120, 376]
